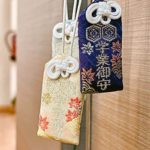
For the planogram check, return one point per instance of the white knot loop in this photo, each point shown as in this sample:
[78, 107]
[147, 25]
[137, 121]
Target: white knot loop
[105, 11]
[58, 31]
[63, 67]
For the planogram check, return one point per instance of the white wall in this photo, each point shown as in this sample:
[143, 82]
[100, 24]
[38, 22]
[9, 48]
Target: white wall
[4, 55]
[14, 14]
[13, 65]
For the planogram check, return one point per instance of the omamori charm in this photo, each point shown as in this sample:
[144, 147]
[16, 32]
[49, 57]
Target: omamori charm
[61, 101]
[100, 44]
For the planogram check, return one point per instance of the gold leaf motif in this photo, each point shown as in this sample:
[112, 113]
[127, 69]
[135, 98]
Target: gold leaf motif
[46, 98]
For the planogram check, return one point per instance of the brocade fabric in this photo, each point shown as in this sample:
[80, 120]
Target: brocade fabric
[61, 101]
[100, 49]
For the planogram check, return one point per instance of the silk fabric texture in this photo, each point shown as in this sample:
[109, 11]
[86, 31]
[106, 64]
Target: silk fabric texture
[100, 49]
[62, 101]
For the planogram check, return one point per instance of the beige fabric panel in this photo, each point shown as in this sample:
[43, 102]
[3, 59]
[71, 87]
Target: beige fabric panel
[36, 20]
[121, 120]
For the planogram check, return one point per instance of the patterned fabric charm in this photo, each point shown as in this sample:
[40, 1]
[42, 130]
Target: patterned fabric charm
[61, 100]
[61, 107]
[100, 44]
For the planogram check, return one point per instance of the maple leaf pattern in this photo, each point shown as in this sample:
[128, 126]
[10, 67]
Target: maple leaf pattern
[75, 103]
[87, 78]
[87, 48]
[117, 65]
[46, 98]
[74, 110]
[116, 46]
[71, 115]
[43, 123]
[88, 75]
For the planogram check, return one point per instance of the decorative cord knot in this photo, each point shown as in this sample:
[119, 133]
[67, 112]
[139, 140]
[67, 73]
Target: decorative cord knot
[63, 67]
[105, 11]
[69, 28]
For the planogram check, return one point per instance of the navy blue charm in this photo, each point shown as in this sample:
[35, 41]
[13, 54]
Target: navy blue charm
[100, 44]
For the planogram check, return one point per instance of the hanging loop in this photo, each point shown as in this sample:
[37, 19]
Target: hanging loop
[60, 66]
[69, 26]
[105, 11]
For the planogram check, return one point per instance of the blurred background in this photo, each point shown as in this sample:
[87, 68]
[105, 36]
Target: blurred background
[8, 73]
[112, 121]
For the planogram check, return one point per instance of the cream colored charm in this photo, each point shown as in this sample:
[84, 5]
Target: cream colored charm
[62, 66]
[105, 11]
[61, 101]
[61, 108]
